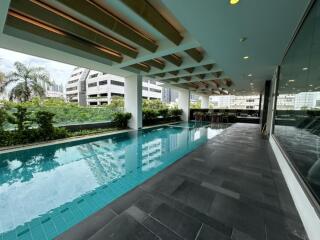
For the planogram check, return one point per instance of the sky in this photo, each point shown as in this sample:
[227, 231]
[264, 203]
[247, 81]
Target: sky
[59, 72]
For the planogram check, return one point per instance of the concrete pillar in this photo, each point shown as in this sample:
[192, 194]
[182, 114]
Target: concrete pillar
[133, 100]
[184, 103]
[204, 101]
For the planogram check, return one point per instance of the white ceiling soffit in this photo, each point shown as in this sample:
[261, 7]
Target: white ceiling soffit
[268, 26]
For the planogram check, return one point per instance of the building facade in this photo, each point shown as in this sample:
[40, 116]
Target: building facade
[89, 87]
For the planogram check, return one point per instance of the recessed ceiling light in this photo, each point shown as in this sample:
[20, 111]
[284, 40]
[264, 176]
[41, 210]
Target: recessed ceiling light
[305, 69]
[246, 57]
[310, 85]
[234, 2]
[251, 84]
[291, 80]
[249, 75]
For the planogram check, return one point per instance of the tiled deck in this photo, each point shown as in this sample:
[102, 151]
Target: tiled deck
[230, 188]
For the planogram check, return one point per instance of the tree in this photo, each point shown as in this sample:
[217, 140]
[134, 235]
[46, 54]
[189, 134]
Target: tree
[29, 82]
[2, 77]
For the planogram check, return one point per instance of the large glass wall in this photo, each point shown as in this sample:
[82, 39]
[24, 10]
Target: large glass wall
[297, 119]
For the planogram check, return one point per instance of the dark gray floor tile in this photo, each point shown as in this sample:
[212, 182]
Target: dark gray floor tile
[124, 227]
[244, 217]
[184, 225]
[208, 233]
[195, 196]
[89, 226]
[160, 230]
[127, 200]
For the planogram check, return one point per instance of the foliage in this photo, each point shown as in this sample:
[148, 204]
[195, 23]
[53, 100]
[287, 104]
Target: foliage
[153, 104]
[21, 118]
[2, 77]
[66, 113]
[195, 105]
[44, 120]
[117, 102]
[149, 114]
[121, 119]
[175, 112]
[28, 82]
[163, 112]
[3, 118]
[91, 131]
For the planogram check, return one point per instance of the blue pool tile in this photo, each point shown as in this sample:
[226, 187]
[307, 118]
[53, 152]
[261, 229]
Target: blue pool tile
[37, 233]
[102, 170]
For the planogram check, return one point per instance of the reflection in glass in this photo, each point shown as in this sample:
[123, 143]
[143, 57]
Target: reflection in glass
[297, 120]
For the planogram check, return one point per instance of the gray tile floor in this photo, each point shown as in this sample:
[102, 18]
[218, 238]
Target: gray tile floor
[230, 188]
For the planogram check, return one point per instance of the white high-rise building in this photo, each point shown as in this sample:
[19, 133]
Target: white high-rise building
[89, 87]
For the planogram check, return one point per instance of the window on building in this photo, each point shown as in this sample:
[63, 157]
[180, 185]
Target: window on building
[117, 83]
[93, 96]
[73, 81]
[76, 74]
[72, 88]
[93, 75]
[93, 103]
[145, 88]
[104, 82]
[155, 90]
[103, 94]
[117, 94]
[103, 103]
[92, 84]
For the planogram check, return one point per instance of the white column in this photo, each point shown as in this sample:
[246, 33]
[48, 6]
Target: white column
[184, 103]
[133, 100]
[204, 101]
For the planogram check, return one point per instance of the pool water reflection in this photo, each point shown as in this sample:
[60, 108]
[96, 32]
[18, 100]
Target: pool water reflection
[46, 190]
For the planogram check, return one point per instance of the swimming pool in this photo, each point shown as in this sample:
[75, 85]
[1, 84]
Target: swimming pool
[46, 190]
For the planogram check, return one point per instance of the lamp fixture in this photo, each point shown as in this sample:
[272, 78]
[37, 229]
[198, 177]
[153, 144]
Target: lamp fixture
[246, 57]
[234, 2]
[291, 80]
[249, 75]
[305, 69]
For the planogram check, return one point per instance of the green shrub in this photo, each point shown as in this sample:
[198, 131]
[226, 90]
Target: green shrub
[60, 133]
[44, 120]
[3, 119]
[22, 118]
[175, 112]
[164, 112]
[149, 114]
[121, 119]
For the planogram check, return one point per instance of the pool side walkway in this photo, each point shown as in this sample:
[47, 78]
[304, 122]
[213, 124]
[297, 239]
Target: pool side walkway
[230, 188]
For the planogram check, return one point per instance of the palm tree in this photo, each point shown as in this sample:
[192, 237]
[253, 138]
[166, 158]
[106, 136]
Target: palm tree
[29, 82]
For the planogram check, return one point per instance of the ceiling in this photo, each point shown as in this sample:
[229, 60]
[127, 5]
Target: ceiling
[187, 44]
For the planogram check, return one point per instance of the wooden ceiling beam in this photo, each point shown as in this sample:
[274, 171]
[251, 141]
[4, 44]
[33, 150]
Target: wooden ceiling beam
[188, 78]
[151, 15]
[190, 70]
[208, 66]
[174, 72]
[57, 19]
[24, 23]
[157, 63]
[141, 66]
[173, 58]
[108, 20]
[195, 54]
[201, 76]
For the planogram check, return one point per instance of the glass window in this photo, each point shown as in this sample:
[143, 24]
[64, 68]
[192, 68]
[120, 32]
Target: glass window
[297, 116]
[104, 82]
[92, 84]
[117, 83]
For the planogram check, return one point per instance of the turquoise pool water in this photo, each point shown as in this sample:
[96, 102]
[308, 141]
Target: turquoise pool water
[46, 190]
